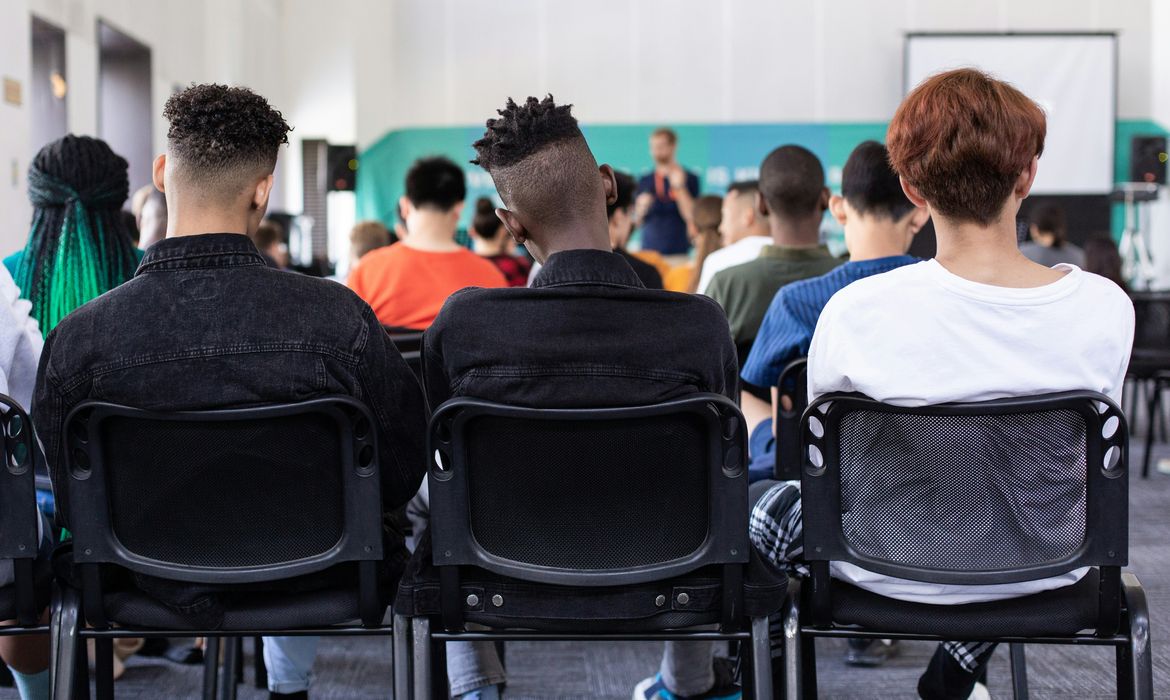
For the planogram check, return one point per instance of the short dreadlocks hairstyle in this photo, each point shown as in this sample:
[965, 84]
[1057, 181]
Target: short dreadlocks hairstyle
[223, 135]
[540, 162]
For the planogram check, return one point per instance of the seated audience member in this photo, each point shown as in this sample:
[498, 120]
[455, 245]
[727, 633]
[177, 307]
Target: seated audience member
[744, 232]
[645, 346]
[269, 240]
[1103, 258]
[703, 229]
[490, 241]
[407, 283]
[980, 321]
[27, 656]
[79, 247]
[149, 207]
[1048, 234]
[305, 337]
[365, 237]
[792, 198]
[665, 197]
[880, 223]
[621, 225]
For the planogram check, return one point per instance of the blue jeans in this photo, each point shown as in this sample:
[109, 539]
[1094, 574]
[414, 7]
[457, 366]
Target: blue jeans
[290, 663]
[761, 452]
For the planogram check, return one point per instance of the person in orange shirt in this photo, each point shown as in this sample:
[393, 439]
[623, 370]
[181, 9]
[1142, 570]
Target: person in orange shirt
[407, 283]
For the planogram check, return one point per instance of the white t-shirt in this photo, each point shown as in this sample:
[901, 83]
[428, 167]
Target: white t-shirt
[20, 343]
[920, 335]
[742, 251]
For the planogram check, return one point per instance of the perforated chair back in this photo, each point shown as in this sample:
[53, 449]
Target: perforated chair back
[591, 496]
[224, 496]
[793, 383]
[18, 505]
[1151, 340]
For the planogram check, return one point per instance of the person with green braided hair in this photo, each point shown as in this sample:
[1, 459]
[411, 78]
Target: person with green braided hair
[78, 246]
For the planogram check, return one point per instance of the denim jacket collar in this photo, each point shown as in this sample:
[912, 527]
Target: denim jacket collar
[214, 250]
[586, 267]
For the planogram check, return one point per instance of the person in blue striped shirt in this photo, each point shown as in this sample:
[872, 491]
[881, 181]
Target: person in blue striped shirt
[880, 223]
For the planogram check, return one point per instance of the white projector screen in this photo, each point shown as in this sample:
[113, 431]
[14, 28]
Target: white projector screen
[1071, 76]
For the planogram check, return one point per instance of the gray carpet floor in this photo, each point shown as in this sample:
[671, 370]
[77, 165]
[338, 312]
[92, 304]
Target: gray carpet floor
[360, 668]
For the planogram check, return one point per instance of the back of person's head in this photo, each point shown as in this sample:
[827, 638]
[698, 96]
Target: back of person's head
[871, 186]
[131, 224]
[624, 195]
[222, 146]
[79, 246]
[546, 175]
[962, 140]
[1103, 258]
[705, 233]
[739, 217]
[367, 236]
[267, 236]
[435, 184]
[485, 223]
[792, 184]
[1049, 220]
[152, 218]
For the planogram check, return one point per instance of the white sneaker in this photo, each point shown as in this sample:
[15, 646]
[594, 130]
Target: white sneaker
[979, 693]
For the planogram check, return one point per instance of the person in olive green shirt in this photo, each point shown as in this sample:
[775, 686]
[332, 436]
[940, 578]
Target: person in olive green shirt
[792, 197]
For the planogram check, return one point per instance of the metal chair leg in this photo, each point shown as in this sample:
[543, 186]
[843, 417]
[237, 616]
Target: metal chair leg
[761, 658]
[1141, 671]
[210, 667]
[227, 681]
[258, 667]
[400, 641]
[421, 644]
[104, 668]
[64, 643]
[1019, 672]
[793, 677]
[1151, 412]
[81, 670]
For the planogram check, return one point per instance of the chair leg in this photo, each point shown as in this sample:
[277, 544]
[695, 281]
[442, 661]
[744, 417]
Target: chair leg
[1151, 412]
[210, 667]
[420, 628]
[64, 642]
[808, 657]
[761, 659]
[1019, 672]
[227, 682]
[793, 668]
[104, 668]
[1140, 671]
[258, 667]
[81, 670]
[400, 641]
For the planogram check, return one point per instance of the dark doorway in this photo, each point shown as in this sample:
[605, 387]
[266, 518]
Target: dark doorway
[124, 104]
[48, 87]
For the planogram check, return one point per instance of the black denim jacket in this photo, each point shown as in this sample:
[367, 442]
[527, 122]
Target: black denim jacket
[587, 334]
[206, 324]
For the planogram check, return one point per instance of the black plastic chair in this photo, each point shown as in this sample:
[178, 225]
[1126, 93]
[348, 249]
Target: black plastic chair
[409, 344]
[793, 384]
[994, 492]
[236, 500]
[28, 594]
[1149, 364]
[581, 524]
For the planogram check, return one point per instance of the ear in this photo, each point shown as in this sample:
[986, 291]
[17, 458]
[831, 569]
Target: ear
[512, 225]
[837, 208]
[825, 195]
[457, 210]
[261, 194]
[918, 219]
[761, 205]
[160, 170]
[405, 206]
[912, 193]
[608, 184]
[1027, 177]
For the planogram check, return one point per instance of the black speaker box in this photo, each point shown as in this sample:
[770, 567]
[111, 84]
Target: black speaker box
[1147, 159]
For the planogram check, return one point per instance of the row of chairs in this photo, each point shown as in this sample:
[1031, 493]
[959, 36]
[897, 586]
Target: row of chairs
[600, 524]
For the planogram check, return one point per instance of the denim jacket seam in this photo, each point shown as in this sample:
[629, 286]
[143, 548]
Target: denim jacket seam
[585, 283]
[498, 372]
[166, 264]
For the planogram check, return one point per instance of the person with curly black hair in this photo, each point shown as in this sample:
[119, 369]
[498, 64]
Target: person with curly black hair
[206, 324]
[587, 333]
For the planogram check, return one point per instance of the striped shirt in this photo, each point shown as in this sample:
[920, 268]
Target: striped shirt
[792, 317]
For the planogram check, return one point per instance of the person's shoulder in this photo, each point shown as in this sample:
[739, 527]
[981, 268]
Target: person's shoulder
[1103, 293]
[879, 292]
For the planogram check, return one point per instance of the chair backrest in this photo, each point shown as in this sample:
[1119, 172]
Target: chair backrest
[598, 497]
[793, 383]
[1151, 340]
[992, 492]
[18, 504]
[224, 496]
[405, 341]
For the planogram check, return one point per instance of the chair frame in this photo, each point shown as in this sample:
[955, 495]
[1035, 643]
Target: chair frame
[1123, 620]
[96, 543]
[455, 546]
[789, 457]
[18, 516]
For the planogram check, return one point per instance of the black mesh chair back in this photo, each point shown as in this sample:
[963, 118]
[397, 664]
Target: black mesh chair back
[982, 493]
[589, 497]
[18, 508]
[1151, 341]
[224, 496]
[793, 384]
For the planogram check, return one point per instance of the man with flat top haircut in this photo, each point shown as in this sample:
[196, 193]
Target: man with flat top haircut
[792, 198]
[743, 230]
[205, 324]
[587, 333]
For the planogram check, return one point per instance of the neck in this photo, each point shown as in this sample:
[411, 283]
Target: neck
[570, 236]
[194, 221]
[486, 248]
[873, 239]
[988, 254]
[795, 233]
[431, 230]
[758, 229]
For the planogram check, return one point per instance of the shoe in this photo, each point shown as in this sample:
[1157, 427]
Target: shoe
[188, 655]
[870, 653]
[980, 693]
[725, 686]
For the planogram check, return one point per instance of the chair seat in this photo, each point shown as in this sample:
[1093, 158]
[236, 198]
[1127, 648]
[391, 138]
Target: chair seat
[255, 611]
[1061, 611]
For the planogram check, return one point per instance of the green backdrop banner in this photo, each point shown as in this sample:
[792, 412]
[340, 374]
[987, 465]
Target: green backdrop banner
[719, 153]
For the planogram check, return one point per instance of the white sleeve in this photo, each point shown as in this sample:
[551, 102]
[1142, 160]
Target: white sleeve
[20, 342]
[825, 373]
[705, 276]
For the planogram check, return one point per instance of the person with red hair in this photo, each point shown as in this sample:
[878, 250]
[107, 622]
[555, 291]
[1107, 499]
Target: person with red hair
[980, 321]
